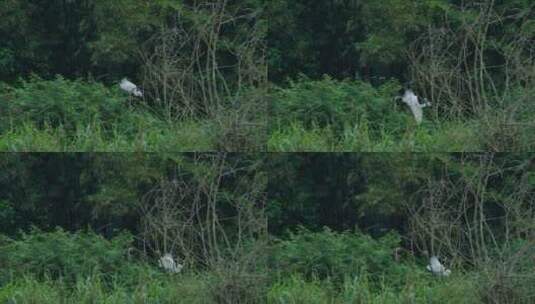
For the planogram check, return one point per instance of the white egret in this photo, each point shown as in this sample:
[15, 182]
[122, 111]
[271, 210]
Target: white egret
[436, 268]
[168, 263]
[131, 88]
[413, 101]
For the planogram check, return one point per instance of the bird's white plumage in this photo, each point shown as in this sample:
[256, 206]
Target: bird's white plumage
[437, 268]
[168, 263]
[413, 101]
[131, 88]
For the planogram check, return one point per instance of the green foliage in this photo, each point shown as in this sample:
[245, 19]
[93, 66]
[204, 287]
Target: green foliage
[80, 38]
[295, 137]
[448, 137]
[65, 115]
[65, 256]
[192, 289]
[65, 103]
[108, 40]
[390, 25]
[295, 290]
[144, 135]
[344, 38]
[73, 38]
[378, 40]
[329, 115]
[337, 104]
[185, 289]
[120, 26]
[329, 254]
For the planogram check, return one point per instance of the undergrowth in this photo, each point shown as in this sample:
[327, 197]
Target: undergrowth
[330, 115]
[76, 115]
[306, 267]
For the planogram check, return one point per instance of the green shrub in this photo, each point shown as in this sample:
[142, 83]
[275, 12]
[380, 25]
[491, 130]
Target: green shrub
[61, 102]
[68, 256]
[329, 254]
[295, 137]
[65, 115]
[338, 104]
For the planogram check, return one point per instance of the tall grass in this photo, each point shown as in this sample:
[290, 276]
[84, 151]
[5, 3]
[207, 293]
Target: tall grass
[448, 136]
[144, 137]
[189, 288]
[296, 290]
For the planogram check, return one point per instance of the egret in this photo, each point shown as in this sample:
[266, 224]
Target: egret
[168, 263]
[413, 101]
[436, 268]
[131, 88]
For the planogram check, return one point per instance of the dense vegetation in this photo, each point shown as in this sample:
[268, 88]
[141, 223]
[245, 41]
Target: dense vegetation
[325, 228]
[199, 64]
[335, 67]
[328, 69]
[276, 75]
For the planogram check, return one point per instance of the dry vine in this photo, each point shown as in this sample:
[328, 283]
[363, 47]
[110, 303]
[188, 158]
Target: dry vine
[198, 68]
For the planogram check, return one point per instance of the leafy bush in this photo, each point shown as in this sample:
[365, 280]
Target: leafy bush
[61, 102]
[329, 254]
[64, 255]
[65, 115]
[328, 102]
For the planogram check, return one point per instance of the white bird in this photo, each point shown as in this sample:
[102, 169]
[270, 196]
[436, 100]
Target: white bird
[168, 263]
[131, 88]
[413, 101]
[436, 268]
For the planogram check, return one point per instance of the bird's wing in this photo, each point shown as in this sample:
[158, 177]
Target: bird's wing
[137, 92]
[127, 85]
[416, 112]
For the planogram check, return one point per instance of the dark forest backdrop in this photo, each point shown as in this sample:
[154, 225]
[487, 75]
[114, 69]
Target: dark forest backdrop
[371, 39]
